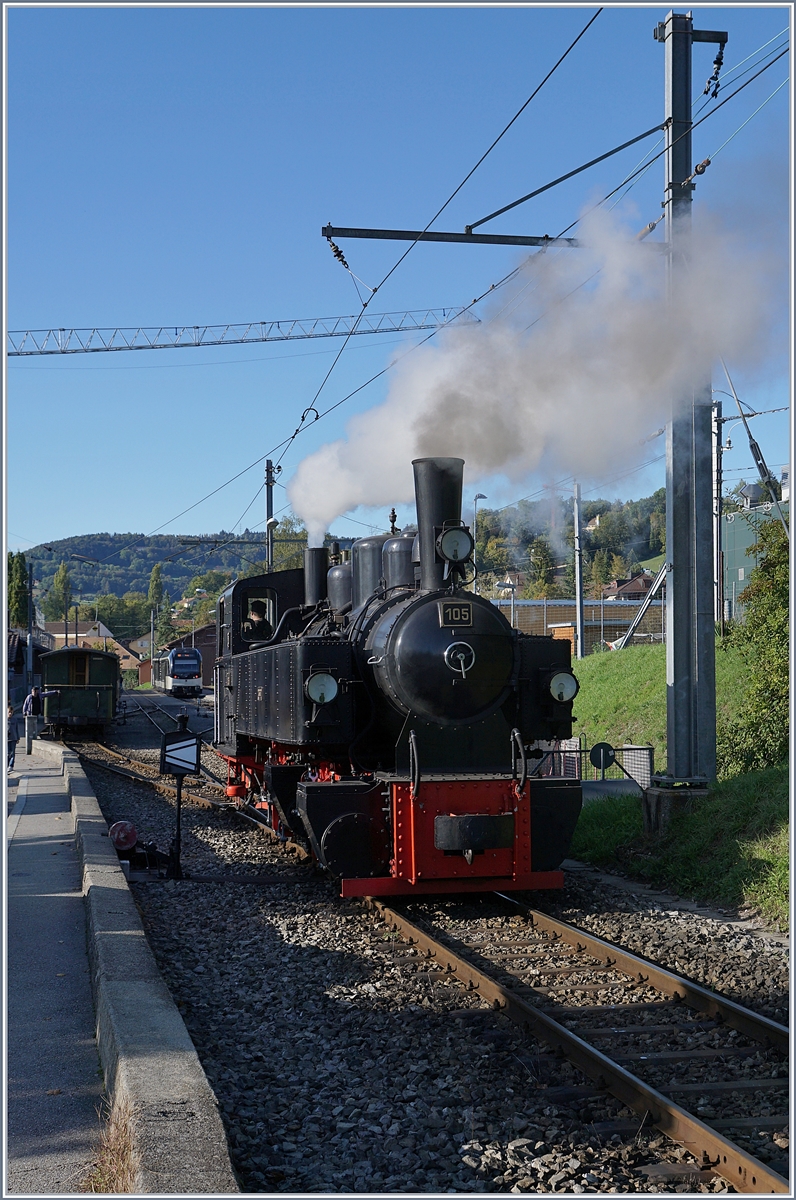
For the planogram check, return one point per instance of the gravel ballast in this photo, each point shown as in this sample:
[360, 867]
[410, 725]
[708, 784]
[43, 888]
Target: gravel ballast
[342, 1063]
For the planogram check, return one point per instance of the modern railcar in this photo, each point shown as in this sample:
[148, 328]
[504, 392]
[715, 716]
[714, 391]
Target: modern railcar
[391, 720]
[88, 686]
[178, 672]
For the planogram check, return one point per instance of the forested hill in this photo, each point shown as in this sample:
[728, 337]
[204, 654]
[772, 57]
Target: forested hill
[125, 560]
[534, 538]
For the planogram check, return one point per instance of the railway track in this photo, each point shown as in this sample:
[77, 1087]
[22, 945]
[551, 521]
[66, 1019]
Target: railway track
[700, 1068]
[660, 1043]
[212, 796]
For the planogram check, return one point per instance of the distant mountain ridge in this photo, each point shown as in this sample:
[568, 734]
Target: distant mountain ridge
[125, 560]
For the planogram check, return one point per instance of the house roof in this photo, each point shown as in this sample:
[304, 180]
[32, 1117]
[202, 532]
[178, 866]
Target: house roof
[636, 585]
[84, 628]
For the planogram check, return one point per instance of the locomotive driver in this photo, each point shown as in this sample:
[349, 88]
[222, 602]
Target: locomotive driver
[257, 628]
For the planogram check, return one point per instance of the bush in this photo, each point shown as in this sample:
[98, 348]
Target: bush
[758, 737]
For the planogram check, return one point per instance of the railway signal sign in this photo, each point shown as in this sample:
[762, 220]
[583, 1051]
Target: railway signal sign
[180, 753]
[602, 755]
[179, 756]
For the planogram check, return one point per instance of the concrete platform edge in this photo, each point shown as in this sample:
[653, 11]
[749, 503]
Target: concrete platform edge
[146, 1052]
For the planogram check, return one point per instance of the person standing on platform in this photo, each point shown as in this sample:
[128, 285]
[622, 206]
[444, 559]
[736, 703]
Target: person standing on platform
[32, 708]
[14, 734]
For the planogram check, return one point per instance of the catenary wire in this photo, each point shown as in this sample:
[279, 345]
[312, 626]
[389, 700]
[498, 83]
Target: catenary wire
[311, 407]
[469, 175]
[688, 131]
[286, 442]
[515, 271]
[642, 166]
[749, 118]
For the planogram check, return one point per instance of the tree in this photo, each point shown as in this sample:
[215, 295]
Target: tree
[759, 737]
[17, 590]
[620, 566]
[126, 616]
[155, 594]
[59, 596]
[542, 569]
[164, 629]
[657, 533]
[600, 573]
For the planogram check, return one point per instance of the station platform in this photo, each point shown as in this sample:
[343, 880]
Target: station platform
[55, 1083]
[91, 1025]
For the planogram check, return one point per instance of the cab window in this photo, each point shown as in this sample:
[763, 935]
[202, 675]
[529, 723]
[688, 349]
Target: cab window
[258, 614]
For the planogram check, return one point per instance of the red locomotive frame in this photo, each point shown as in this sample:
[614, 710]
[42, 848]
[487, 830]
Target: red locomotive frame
[417, 867]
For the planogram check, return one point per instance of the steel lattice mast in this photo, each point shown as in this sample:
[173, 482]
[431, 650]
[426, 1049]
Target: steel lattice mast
[173, 337]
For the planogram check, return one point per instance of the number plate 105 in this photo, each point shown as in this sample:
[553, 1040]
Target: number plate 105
[455, 612]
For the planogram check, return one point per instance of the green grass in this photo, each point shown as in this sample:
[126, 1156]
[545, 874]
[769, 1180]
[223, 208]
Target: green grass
[622, 695]
[653, 564]
[731, 848]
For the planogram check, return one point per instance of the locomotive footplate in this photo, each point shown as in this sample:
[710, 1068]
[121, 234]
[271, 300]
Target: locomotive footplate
[474, 833]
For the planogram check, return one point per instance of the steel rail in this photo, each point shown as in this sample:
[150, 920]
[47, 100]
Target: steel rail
[761, 1029]
[744, 1171]
[247, 811]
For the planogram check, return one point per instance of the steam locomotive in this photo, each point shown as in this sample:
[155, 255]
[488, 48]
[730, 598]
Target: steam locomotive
[391, 720]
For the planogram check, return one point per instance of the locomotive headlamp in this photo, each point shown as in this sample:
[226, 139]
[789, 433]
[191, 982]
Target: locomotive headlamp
[455, 545]
[321, 687]
[564, 687]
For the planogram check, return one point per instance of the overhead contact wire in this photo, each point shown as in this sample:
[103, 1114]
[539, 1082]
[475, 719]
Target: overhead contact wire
[311, 407]
[688, 131]
[500, 283]
[470, 174]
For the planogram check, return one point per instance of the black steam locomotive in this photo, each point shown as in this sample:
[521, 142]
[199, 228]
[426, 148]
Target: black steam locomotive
[391, 720]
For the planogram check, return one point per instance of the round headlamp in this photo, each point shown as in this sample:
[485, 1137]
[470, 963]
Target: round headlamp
[455, 545]
[321, 687]
[564, 687]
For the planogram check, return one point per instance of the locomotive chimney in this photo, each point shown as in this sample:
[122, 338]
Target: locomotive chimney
[316, 564]
[438, 495]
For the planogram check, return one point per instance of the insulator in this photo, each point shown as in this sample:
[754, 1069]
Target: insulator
[337, 252]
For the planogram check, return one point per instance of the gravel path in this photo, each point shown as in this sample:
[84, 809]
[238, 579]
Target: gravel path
[341, 1065]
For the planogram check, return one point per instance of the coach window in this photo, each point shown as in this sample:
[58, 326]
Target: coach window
[259, 614]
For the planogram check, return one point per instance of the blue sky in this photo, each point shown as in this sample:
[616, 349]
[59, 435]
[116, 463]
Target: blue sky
[175, 166]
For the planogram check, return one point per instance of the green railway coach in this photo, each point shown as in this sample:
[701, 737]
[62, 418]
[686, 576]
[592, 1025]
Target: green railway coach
[88, 683]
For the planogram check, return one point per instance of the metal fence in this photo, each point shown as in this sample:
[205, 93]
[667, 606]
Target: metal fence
[604, 621]
[568, 760]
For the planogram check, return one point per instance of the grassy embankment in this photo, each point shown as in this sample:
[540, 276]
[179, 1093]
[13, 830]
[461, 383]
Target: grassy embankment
[731, 848]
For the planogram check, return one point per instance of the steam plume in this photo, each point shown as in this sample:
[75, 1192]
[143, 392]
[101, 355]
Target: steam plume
[584, 360]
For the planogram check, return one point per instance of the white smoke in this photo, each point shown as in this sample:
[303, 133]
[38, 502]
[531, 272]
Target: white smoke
[585, 359]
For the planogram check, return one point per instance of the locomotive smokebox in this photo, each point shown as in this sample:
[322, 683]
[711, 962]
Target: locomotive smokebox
[316, 565]
[438, 495]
